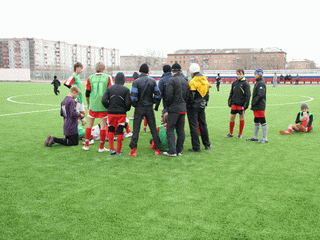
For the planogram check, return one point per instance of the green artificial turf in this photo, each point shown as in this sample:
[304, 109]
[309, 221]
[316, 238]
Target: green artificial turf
[236, 190]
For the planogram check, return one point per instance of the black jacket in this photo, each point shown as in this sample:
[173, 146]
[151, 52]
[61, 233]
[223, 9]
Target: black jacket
[117, 97]
[176, 94]
[145, 92]
[258, 102]
[240, 93]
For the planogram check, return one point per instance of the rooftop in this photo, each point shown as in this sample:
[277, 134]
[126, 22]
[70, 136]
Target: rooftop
[227, 50]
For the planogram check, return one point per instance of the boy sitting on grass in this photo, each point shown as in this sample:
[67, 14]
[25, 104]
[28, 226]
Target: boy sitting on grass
[303, 121]
[70, 128]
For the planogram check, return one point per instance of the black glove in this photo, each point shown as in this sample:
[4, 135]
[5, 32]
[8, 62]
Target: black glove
[156, 108]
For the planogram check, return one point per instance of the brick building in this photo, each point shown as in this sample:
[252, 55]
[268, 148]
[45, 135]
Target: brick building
[301, 64]
[230, 59]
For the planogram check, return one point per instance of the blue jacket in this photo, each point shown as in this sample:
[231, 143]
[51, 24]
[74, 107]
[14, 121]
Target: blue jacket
[145, 92]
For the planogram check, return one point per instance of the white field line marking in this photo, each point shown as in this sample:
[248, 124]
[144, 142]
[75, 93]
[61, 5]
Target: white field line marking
[276, 104]
[10, 114]
[10, 100]
[41, 104]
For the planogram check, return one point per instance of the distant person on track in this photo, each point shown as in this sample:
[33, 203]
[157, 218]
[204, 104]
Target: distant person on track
[274, 82]
[56, 84]
[239, 99]
[258, 105]
[303, 122]
[218, 82]
[74, 79]
[70, 116]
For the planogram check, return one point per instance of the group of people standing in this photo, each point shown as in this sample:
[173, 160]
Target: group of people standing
[110, 102]
[179, 97]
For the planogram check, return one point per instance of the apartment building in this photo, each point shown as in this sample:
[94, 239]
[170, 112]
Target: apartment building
[36, 54]
[301, 64]
[230, 59]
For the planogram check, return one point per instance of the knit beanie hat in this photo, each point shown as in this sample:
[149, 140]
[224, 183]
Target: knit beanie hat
[304, 105]
[135, 75]
[259, 71]
[176, 67]
[194, 68]
[120, 78]
[166, 68]
[144, 68]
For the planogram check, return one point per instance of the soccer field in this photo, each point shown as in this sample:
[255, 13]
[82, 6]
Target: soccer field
[236, 190]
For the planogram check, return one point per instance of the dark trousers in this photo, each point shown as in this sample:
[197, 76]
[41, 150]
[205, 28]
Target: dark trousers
[218, 86]
[56, 91]
[71, 140]
[139, 113]
[175, 121]
[195, 116]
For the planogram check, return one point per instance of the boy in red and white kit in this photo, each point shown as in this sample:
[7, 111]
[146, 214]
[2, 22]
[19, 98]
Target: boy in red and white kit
[303, 122]
[117, 100]
[239, 99]
[97, 84]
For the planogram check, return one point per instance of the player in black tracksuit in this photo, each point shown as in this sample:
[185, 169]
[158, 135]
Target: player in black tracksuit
[144, 93]
[175, 99]
[56, 84]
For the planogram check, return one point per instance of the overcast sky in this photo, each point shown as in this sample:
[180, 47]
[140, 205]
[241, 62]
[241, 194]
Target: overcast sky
[133, 27]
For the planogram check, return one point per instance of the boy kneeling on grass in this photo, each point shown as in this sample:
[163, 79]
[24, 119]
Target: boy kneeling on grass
[70, 128]
[303, 122]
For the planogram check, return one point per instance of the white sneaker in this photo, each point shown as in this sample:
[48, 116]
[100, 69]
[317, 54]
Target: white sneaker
[127, 135]
[85, 148]
[103, 150]
[91, 142]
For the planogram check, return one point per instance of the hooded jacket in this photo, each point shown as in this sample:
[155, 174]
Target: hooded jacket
[199, 89]
[240, 93]
[116, 99]
[258, 102]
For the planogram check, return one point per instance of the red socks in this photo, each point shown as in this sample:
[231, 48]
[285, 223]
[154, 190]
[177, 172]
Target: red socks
[231, 127]
[110, 138]
[241, 127]
[87, 136]
[289, 130]
[102, 138]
